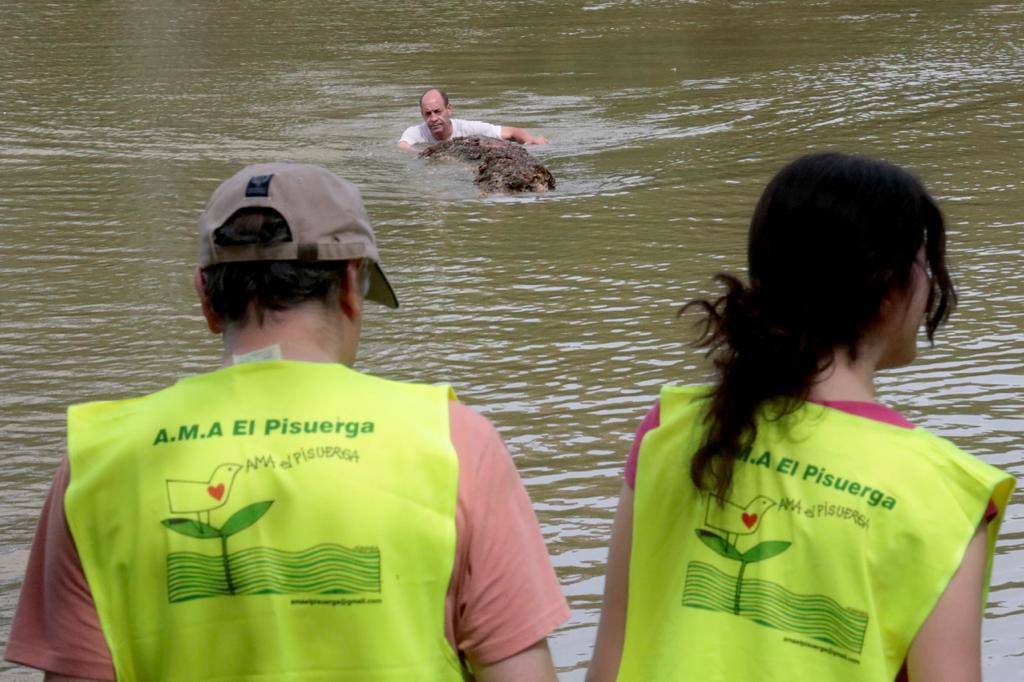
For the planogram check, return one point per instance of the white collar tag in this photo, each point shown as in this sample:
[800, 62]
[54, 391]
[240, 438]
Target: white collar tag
[259, 355]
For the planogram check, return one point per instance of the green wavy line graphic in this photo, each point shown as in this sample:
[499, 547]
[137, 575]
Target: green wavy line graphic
[847, 624]
[815, 616]
[322, 569]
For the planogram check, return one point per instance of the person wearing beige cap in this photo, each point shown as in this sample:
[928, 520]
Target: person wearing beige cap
[287, 517]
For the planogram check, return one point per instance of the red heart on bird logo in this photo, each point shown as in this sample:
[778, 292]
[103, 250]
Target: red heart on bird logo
[217, 492]
[748, 519]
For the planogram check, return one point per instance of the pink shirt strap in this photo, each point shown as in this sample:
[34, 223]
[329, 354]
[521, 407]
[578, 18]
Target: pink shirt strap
[650, 421]
[874, 411]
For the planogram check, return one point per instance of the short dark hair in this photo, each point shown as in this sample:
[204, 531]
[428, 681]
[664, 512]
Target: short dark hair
[444, 95]
[237, 290]
[832, 235]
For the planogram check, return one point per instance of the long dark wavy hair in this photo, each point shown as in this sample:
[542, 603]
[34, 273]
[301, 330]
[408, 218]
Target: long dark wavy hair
[831, 235]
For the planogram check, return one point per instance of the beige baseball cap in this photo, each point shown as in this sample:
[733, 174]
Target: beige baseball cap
[325, 214]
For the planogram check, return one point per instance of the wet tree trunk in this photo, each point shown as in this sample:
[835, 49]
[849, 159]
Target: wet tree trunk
[503, 166]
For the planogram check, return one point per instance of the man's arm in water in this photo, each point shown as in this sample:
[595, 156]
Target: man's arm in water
[522, 136]
[410, 136]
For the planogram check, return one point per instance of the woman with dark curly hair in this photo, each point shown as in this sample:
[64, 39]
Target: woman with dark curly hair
[780, 524]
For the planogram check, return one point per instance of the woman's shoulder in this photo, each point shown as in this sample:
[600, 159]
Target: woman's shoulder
[681, 401]
[950, 458]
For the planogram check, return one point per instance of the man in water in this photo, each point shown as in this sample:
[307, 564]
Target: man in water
[287, 517]
[438, 125]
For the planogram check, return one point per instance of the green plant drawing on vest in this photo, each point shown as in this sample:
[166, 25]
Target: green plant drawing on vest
[762, 601]
[759, 552]
[321, 568]
[735, 520]
[239, 521]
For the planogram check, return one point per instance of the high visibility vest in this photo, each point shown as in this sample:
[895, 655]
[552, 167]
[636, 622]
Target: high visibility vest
[273, 521]
[835, 541]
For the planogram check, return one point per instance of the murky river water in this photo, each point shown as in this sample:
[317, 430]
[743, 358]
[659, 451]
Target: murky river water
[553, 315]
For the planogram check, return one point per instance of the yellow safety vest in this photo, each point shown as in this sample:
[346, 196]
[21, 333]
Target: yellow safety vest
[274, 521]
[837, 538]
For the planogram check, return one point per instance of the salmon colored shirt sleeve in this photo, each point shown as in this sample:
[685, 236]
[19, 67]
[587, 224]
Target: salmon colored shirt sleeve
[56, 627]
[503, 597]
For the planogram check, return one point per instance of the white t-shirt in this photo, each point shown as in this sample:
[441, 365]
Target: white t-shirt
[421, 134]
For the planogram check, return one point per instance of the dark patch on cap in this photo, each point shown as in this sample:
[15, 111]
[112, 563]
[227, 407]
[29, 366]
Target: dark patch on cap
[307, 252]
[259, 185]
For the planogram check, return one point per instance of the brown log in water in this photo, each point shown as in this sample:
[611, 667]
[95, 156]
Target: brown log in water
[504, 166]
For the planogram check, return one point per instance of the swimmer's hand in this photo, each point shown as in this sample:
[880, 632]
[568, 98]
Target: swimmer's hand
[521, 136]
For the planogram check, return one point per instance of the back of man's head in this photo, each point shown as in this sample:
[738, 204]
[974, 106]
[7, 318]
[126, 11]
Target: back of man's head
[277, 236]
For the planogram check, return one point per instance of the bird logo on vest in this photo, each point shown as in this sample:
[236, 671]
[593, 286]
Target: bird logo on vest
[199, 497]
[768, 598]
[733, 519]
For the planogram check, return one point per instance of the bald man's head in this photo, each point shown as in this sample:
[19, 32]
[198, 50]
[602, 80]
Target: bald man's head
[434, 91]
[437, 114]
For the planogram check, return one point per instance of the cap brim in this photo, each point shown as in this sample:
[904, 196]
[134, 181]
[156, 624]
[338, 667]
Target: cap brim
[380, 288]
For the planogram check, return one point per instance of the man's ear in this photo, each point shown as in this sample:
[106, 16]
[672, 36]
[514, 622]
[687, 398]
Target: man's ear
[351, 295]
[212, 319]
